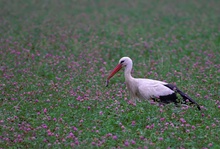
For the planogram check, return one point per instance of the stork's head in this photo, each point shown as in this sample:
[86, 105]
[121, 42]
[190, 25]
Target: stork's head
[123, 62]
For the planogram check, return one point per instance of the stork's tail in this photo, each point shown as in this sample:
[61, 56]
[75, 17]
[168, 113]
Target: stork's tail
[186, 97]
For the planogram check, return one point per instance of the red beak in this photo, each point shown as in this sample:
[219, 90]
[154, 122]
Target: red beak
[114, 71]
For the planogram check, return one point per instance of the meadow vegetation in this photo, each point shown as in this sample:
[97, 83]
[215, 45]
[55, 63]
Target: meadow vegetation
[56, 55]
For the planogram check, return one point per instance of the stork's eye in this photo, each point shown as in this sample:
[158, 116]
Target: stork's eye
[122, 62]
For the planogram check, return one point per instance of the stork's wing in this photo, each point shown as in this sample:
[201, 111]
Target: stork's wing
[184, 95]
[153, 90]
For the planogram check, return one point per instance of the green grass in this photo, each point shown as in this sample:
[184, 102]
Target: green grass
[55, 57]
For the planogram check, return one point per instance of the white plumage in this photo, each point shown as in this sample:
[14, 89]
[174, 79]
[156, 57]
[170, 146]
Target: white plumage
[147, 89]
[152, 88]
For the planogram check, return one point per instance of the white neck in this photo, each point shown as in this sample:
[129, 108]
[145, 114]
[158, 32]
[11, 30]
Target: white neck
[127, 72]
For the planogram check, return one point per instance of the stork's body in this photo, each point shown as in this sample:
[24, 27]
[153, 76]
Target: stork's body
[147, 89]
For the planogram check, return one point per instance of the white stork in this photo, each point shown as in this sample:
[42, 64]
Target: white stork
[147, 88]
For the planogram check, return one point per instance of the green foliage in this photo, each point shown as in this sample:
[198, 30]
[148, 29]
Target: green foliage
[56, 55]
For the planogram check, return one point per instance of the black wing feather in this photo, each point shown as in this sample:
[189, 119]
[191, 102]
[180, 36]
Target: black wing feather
[184, 96]
[167, 99]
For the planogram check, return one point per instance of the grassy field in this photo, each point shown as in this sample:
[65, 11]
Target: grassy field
[56, 55]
